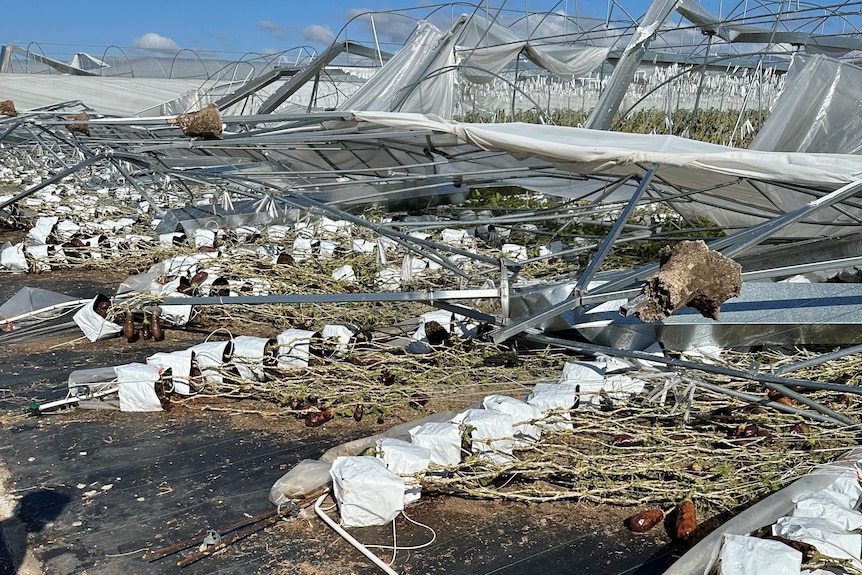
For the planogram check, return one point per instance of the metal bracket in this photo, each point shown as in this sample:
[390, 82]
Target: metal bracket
[212, 538]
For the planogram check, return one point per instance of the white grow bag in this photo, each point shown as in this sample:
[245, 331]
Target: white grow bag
[180, 364]
[293, 348]
[136, 383]
[405, 458]
[248, 355]
[94, 326]
[367, 493]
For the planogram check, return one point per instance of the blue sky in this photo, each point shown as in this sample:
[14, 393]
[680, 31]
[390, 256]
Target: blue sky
[265, 26]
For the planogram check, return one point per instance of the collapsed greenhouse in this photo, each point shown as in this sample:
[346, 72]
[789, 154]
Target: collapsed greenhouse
[521, 312]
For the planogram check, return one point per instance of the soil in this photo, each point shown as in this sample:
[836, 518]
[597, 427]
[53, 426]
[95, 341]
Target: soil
[90, 491]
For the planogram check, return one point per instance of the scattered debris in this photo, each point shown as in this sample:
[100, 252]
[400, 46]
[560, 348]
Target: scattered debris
[7, 108]
[205, 123]
[690, 274]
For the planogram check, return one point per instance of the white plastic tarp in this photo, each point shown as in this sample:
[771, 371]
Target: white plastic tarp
[43, 228]
[826, 535]
[743, 555]
[294, 348]
[554, 400]
[12, 257]
[248, 354]
[367, 493]
[686, 164]
[210, 357]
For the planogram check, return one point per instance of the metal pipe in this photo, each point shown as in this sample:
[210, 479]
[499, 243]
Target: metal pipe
[822, 358]
[426, 296]
[612, 236]
[760, 401]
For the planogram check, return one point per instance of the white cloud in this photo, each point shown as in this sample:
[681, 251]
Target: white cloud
[153, 41]
[319, 34]
[390, 26]
[274, 29]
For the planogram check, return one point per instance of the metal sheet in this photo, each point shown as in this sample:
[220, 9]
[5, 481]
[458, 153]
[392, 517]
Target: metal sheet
[764, 314]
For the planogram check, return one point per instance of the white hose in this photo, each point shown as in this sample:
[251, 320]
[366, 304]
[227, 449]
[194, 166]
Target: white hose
[349, 538]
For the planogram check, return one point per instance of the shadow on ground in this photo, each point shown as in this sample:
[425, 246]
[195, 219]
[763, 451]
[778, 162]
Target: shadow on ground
[34, 512]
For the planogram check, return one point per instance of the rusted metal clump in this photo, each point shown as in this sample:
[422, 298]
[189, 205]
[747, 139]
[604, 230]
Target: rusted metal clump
[204, 123]
[81, 128]
[690, 274]
[7, 108]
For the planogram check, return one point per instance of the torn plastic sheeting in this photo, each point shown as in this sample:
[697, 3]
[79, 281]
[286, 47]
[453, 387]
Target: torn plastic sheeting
[824, 505]
[171, 238]
[523, 414]
[826, 535]
[302, 248]
[84, 382]
[401, 431]
[443, 440]
[389, 279]
[28, 300]
[455, 237]
[367, 493]
[179, 265]
[558, 398]
[180, 363]
[293, 348]
[453, 323]
[143, 283]
[362, 246]
[326, 248]
[66, 229]
[411, 267]
[615, 387]
[515, 252]
[405, 458]
[743, 555]
[95, 326]
[137, 391]
[205, 237]
[300, 481]
[257, 287]
[845, 489]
